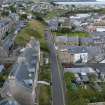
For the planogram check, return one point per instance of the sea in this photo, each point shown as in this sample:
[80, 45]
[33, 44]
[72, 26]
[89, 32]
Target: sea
[81, 3]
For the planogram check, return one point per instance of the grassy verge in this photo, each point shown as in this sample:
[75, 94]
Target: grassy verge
[45, 91]
[44, 96]
[34, 29]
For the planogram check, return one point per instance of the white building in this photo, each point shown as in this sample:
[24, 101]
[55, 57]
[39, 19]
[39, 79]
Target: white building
[100, 29]
[80, 54]
[73, 55]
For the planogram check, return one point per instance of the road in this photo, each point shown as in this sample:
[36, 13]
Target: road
[57, 83]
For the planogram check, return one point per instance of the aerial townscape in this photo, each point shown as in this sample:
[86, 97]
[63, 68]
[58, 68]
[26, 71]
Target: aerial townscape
[52, 52]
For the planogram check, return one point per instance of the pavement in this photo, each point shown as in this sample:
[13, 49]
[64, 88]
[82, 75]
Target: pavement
[57, 83]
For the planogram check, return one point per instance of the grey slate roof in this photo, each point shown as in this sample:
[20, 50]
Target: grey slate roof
[3, 23]
[8, 102]
[93, 51]
[25, 67]
[98, 33]
[73, 39]
[77, 49]
[66, 39]
[86, 40]
[30, 63]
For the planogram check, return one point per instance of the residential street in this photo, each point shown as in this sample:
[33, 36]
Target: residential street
[57, 84]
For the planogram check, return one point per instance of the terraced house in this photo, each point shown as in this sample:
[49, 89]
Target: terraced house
[22, 82]
[5, 27]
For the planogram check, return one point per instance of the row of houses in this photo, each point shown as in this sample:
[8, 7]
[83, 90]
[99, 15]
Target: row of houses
[87, 22]
[22, 81]
[81, 54]
[81, 22]
[42, 6]
[66, 40]
[12, 1]
[80, 50]
[5, 27]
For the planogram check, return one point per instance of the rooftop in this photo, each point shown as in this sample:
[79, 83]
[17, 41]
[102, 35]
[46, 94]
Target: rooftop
[86, 40]
[66, 39]
[80, 70]
[74, 39]
[25, 68]
[3, 23]
[8, 102]
[97, 33]
[77, 49]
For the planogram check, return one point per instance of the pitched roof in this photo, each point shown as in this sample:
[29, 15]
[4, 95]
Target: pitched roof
[77, 49]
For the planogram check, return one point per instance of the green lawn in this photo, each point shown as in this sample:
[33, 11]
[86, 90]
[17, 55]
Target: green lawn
[73, 34]
[45, 91]
[44, 95]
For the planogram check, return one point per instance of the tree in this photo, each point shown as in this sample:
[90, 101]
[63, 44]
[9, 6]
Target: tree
[23, 16]
[6, 34]
[64, 30]
[12, 9]
[4, 13]
[69, 77]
